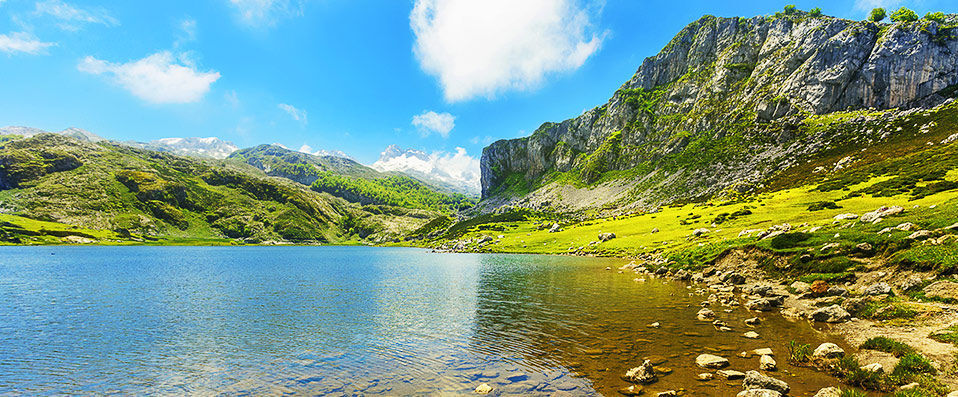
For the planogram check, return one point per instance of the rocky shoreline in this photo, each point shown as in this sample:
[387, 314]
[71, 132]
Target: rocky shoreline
[735, 282]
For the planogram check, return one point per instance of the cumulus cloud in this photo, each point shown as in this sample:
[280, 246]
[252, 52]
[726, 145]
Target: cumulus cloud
[458, 169]
[481, 48]
[868, 5]
[158, 78]
[265, 13]
[431, 122]
[297, 114]
[73, 18]
[22, 42]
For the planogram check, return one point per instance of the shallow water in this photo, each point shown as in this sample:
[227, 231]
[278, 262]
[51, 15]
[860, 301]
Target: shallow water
[353, 320]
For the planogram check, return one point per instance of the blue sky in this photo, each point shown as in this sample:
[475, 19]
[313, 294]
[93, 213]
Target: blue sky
[349, 75]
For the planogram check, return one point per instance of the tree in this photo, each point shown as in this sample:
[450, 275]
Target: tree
[877, 15]
[815, 12]
[790, 9]
[904, 15]
[936, 16]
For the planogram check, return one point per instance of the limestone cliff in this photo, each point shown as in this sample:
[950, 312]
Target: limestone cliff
[724, 106]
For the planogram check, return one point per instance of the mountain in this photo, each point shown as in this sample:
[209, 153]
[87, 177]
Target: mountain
[73, 132]
[454, 173]
[211, 147]
[732, 106]
[147, 195]
[348, 179]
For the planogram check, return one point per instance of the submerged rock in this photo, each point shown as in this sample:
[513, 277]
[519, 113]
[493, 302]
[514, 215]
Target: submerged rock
[730, 374]
[484, 388]
[705, 314]
[767, 363]
[755, 380]
[634, 390]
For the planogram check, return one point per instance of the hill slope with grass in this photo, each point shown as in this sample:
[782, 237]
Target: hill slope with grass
[130, 194]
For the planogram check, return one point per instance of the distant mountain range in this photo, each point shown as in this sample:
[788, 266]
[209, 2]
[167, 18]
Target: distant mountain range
[211, 147]
[457, 172]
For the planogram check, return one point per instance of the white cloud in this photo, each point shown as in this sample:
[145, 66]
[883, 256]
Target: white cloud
[22, 42]
[265, 13]
[432, 122]
[158, 78]
[187, 32]
[320, 152]
[297, 114]
[868, 5]
[482, 48]
[73, 18]
[457, 169]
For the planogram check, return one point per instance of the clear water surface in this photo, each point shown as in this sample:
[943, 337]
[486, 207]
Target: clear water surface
[353, 320]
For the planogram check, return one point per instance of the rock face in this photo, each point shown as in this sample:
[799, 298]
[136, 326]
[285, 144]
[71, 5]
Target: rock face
[756, 77]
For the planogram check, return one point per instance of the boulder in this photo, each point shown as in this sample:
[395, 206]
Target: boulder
[942, 290]
[667, 393]
[705, 377]
[877, 289]
[920, 235]
[751, 335]
[831, 314]
[819, 287]
[700, 232]
[732, 278]
[753, 321]
[883, 212]
[906, 227]
[603, 237]
[800, 287]
[711, 361]
[643, 374]
[842, 217]
[874, 367]
[910, 282]
[758, 393]
[829, 392]
[767, 363]
[828, 351]
[755, 380]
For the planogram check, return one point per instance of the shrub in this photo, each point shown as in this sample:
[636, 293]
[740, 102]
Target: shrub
[911, 364]
[877, 15]
[904, 15]
[888, 345]
[815, 12]
[790, 9]
[789, 240]
[799, 352]
[936, 16]
[822, 205]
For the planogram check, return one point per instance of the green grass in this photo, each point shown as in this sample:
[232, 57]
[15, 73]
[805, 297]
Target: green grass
[947, 335]
[888, 345]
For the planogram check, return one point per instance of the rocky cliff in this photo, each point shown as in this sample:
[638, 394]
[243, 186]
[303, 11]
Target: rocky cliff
[726, 105]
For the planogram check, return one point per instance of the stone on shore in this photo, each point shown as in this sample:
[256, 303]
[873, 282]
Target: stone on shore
[755, 380]
[831, 314]
[643, 374]
[829, 392]
[942, 290]
[711, 361]
[828, 351]
[877, 289]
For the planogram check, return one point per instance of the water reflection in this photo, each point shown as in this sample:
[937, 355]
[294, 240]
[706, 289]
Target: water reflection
[345, 320]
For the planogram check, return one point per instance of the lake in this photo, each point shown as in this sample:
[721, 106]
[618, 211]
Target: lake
[355, 320]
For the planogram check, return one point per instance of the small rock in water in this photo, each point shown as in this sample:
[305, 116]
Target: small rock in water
[705, 314]
[730, 374]
[829, 392]
[705, 377]
[759, 393]
[767, 363]
[667, 393]
[751, 335]
[753, 321]
[484, 389]
[655, 325]
[711, 361]
[763, 352]
[828, 351]
[643, 374]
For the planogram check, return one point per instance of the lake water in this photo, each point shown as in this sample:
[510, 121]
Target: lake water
[353, 320]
